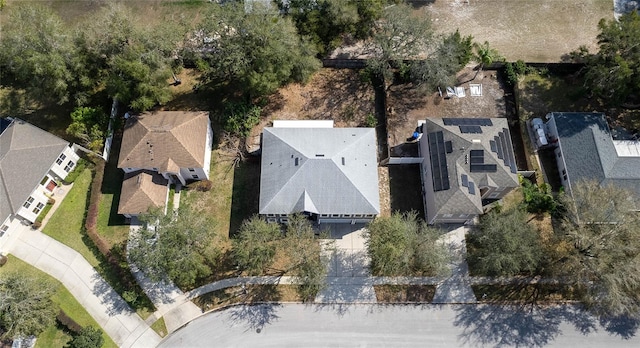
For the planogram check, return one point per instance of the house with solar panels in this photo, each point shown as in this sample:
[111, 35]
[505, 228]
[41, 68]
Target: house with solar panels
[467, 163]
[328, 174]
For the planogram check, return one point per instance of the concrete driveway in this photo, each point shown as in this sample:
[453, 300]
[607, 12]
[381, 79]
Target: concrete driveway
[348, 266]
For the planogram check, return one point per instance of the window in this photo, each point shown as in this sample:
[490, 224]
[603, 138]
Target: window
[271, 215]
[195, 176]
[346, 215]
[358, 215]
[44, 180]
[38, 207]
[69, 166]
[3, 229]
[191, 169]
[27, 204]
[61, 159]
[284, 220]
[494, 195]
[447, 215]
[324, 215]
[564, 177]
[272, 220]
[335, 215]
[564, 172]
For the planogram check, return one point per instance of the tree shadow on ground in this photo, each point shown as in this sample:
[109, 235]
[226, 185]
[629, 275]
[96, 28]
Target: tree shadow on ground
[405, 189]
[254, 317]
[532, 325]
[246, 192]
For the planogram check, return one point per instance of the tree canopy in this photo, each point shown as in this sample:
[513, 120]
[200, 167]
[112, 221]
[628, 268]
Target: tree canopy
[604, 230]
[257, 52]
[88, 337]
[26, 307]
[258, 242]
[613, 73]
[180, 248]
[37, 53]
[505, 245]
[402, 245]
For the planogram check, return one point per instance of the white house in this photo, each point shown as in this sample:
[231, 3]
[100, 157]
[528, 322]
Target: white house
[175, 145]
[32, 162]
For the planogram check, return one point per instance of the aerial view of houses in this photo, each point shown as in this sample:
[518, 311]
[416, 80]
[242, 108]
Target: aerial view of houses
[313, 173]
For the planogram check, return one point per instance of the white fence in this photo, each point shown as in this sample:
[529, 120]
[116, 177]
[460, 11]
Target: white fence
[405, 160]
[109, 139]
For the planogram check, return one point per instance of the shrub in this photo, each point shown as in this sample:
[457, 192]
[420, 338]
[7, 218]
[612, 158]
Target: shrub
[89, 337]
[3, 259]
[538, 198]
[202, 185]
[51, 201]
[240, 118]
[67, 322]
[36, 225]
[371, 121]
[73, 175]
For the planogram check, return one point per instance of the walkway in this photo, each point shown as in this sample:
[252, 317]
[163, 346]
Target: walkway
[170, 302]
[113, 314]
[456, 288]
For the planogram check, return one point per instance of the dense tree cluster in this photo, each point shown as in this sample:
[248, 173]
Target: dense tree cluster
[257, 243]
[177, 247]
[613, 73]
[26, 307]
[401, 245]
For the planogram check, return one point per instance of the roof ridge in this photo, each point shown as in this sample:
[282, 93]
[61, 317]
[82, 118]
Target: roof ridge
[285, 184]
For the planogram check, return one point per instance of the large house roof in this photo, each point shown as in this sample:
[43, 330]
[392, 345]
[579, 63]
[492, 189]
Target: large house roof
[319, 170]
[454, 153]
[142, 190]
[26, 155]
[165, 140]
[590, 154]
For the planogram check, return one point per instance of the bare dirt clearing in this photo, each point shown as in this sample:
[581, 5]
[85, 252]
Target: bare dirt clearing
[534, 31]
[406, 106]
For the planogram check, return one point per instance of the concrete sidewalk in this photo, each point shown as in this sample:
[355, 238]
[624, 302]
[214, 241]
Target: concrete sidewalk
[113, 314]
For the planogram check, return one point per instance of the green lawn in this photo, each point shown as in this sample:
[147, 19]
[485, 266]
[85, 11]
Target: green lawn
[66, 224]
[54, 336]
[160, 327]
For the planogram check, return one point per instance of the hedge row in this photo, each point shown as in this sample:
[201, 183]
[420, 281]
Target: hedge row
[91, 226]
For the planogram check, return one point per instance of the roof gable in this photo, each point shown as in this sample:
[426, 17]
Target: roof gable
[165, 140]
[26, 155]
[320, 170]
[142, 190]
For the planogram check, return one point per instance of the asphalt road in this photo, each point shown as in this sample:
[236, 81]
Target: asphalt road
[297, 325]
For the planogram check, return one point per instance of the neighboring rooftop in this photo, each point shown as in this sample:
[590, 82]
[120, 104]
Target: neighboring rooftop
[319, 170]
[142, 190]
[466, 154]
[165, 140]
[26, 155]
[590, 153]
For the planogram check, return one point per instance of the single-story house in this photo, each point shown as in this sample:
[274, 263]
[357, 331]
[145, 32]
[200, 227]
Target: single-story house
[586, 150]
[175, 145]
[467, 163]
[329, 174]
[32, 163]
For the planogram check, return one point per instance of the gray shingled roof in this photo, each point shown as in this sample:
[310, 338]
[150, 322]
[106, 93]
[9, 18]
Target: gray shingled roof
[319, 170]
[589, 152]
[26, 154]
[457, 199]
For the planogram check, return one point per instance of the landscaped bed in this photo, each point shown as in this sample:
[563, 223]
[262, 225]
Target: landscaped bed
[250, 294]
[404, 293]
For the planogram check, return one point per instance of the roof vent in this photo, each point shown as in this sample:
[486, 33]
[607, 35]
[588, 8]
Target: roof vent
[342, 160]
[319, 155]
[297, 160]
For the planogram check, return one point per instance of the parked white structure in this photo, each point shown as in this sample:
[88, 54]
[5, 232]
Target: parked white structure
[32, 164]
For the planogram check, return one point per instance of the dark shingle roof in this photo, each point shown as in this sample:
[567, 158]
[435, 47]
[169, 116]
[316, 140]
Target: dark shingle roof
[589, 152]
[26, 155]
[319, 170]
[459, 199]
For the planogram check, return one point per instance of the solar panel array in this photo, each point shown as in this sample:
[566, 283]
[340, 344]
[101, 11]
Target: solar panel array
[438, 157]
[465, 180]
[467, 122]
[472, 188]
[504, 149]
[470, 129]
[484, 168]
